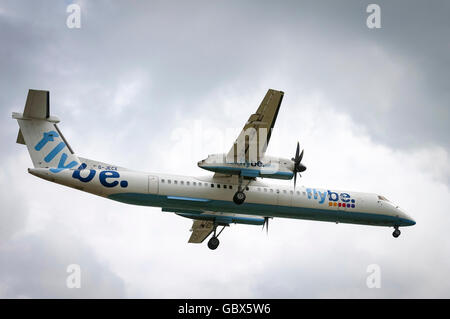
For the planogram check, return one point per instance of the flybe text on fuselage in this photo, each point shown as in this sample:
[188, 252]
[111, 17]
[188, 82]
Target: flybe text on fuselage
[334, 198]
[252, 164]
[106, 178]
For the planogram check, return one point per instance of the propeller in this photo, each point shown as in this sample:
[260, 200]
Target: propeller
[266, 224]
[298, 166]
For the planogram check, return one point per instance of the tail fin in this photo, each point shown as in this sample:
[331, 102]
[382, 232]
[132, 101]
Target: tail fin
[38, 131]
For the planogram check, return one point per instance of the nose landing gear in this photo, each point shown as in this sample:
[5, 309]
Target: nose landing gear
[396, 232]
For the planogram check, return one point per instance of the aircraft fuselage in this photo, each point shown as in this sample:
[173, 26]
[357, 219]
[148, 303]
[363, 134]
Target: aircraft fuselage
[193, 196]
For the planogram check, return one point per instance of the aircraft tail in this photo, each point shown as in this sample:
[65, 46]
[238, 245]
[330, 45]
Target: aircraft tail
[38, 131]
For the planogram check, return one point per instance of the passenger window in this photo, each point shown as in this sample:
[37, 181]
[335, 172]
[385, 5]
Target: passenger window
[230, 187]
[182, 182]
[271, 190]
[218, 185]
[162, 180]
[175, 182]
[194, 183]
[259, 189]
[265, 190]
[212, 185]
[188, 183]
[225, 186]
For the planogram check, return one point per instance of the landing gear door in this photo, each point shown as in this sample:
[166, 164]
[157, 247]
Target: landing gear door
[153, 184]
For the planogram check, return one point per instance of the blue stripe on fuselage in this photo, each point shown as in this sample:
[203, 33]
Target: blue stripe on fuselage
[188, 198]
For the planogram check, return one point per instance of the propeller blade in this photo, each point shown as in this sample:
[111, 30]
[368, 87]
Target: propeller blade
[301, 156]
[266, 224]
[298, 166]
[295, 178]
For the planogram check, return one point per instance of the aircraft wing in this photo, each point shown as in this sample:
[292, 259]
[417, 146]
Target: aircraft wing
[200, 230]
[252, 142]
[203, 224]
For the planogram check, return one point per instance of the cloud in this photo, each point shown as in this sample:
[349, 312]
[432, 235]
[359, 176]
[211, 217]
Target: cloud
[36, 249]
[14, 209]
[36, 266]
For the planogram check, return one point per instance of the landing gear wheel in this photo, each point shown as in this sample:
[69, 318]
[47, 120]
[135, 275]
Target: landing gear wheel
[239, 197]
[396, 232]
[213, 243]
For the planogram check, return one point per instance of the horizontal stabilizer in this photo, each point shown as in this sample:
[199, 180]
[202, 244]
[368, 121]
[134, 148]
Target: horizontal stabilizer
[20, 139]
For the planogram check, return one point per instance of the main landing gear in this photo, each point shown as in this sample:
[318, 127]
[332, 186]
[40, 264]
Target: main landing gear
[396, 232]
[239, 196]
[214, 242]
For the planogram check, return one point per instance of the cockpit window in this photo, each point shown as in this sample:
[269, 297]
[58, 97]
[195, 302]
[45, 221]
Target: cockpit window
[383, 198]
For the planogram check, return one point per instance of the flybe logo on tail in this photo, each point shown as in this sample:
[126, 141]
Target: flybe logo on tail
[334, 199]
[49, 137]
[106, 178]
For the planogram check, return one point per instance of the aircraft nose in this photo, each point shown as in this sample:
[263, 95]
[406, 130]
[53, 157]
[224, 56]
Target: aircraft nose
[412, 221]
[408, 220]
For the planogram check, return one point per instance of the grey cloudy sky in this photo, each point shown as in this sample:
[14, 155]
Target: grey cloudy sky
[158, 85]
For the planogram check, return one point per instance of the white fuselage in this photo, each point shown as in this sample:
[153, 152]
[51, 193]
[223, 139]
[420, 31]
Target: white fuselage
[194, 196]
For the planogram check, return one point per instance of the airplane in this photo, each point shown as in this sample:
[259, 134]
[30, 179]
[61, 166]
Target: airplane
[235, 194]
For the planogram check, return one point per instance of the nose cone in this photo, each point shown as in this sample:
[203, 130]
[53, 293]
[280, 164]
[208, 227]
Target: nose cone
[201, 163]
[410, 221]
[406, 219]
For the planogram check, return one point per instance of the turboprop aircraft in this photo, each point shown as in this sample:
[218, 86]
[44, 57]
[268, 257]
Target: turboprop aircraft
[236, 193]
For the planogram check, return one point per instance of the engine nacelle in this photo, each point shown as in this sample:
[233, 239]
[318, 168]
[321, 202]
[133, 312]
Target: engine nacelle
[225, 219]
[269, 167]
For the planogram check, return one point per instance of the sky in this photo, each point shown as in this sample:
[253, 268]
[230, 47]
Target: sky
[158, 85]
